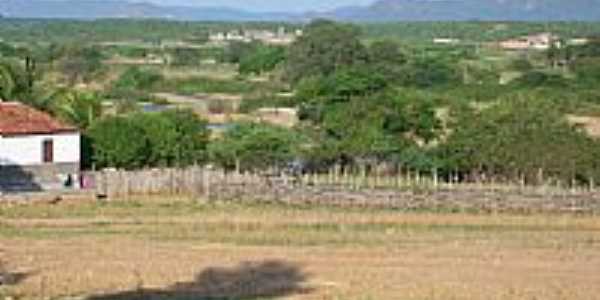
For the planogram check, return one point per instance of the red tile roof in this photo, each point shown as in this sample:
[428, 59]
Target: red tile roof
[19, 119]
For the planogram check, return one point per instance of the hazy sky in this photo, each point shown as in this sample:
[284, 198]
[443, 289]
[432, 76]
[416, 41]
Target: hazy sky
[268, 5]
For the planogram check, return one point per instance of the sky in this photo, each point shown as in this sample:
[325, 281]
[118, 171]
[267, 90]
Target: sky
[268, 5]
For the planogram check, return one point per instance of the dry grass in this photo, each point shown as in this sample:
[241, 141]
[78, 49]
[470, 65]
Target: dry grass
[82, 249]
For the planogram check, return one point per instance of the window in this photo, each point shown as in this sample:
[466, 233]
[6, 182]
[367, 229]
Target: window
[48, 151]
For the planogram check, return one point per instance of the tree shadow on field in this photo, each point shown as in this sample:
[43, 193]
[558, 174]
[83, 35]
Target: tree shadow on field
[11, 278]
[247, 281]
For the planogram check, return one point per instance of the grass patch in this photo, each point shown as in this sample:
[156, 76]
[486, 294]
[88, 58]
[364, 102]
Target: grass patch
[279, 225]
[196, 85]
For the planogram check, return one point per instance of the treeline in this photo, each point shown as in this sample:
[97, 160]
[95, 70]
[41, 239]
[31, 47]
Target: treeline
[155, 31]
[476, 31]
[113, 30]
[362, 105]
[377, 104]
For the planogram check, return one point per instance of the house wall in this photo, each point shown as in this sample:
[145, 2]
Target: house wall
[21, 167]
[27, 150]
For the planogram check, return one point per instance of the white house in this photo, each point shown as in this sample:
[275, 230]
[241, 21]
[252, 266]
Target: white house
[540, 41]
[37, 152]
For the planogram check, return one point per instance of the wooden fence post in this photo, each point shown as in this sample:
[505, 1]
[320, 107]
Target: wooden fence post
[206, 182]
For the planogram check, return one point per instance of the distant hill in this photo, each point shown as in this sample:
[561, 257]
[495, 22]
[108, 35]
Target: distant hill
[381, 10]
[100, 9]
[466, 10]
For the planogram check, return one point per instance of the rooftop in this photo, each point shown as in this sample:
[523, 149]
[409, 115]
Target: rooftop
[20, 119]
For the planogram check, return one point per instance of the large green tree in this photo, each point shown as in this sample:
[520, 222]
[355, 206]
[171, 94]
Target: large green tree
[324, 48]
[262, 59]
[248, 146]
[520, 136]
[176, 138]
[168, 139]
[119, 142]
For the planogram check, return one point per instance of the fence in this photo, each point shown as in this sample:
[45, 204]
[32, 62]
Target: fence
[336, 187]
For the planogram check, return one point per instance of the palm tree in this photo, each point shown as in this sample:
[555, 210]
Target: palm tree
[7, 82]
[78, 108]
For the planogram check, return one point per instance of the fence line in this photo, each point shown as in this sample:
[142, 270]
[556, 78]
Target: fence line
[406, 190]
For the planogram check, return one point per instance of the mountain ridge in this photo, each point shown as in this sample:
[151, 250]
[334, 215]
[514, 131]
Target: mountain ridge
[381, 10]
[466, 10]
[103, 9]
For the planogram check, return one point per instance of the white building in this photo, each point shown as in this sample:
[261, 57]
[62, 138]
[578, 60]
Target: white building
[448, 41]
[37, 152]
[540, 41]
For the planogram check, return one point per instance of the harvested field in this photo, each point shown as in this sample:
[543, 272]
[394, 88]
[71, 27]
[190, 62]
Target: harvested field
[177, 249]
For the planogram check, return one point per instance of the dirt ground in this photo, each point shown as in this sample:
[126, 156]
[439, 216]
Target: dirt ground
[165, 250]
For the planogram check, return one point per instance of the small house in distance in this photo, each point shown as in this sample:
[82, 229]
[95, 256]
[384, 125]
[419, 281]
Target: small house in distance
[37, 152]
[446, 41]
[540, 41]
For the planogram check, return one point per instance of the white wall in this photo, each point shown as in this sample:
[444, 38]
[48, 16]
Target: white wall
[27, 150]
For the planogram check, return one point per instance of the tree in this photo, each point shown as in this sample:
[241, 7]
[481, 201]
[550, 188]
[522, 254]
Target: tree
[386, 52]
[78, 108]
[236, 51]
[186, 57]
[168, 139]
[176, 138]
[15, 82]
[587, 70]
[534, 79]
[256, 146]
[429, 72]
[386, 58]
[80, 63]
[7, 82]
[262, 59]
[520, 137]
[119, 142]
[135, 78]
[325, 48]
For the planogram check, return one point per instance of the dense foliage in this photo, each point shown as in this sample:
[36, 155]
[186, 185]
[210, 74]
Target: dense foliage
[169, 139]
[365, 94]
[256, 146]
[520, 137]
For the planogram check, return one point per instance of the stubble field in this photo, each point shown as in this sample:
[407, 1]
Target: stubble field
[176, 249]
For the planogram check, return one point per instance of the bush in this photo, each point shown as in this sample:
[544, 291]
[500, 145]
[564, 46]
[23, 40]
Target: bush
[540, 79]
[262, 59]
[190, 86]
[520, 136]
[249, 105]
[168, 139]
[137, 79]
[119, 142]
[249, 146]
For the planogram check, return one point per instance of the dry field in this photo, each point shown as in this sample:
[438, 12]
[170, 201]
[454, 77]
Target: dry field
[176, 249]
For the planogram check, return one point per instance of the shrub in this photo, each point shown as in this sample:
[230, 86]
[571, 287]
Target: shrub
[174, 138]
[520, 136]
[255, 146]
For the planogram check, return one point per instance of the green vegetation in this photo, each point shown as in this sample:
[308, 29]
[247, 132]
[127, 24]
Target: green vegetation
[168, 139]
[262, 59]
[507, 140]
[365, 94]
[249, 146]
[195, 85]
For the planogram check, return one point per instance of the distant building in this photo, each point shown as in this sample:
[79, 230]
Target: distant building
[37, 152]
[446, 41]
[578, 41]
[280, 37]
[540, 41]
